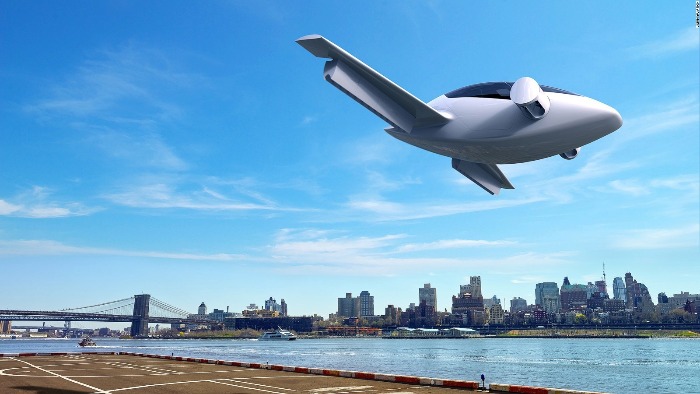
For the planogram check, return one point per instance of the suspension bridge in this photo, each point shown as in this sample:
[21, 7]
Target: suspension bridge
[140, 310]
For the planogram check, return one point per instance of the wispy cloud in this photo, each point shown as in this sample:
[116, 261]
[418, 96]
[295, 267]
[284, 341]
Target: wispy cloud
[120, 100]
[54, 248]
[683, 236]
[381, 210]
[331, 252]
[453, 244]
[119, 85]
[163, 195]
[682, 41]
[147, 150]
[39, 203]
[663, 117]
[637, 187]
[308, 119]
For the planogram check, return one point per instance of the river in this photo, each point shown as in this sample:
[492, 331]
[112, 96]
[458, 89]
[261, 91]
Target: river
[611, 365]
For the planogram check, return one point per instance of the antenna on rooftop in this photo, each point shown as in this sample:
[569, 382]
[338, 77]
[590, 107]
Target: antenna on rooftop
[604, 279]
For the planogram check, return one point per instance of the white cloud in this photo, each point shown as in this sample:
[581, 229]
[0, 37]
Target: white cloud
[663, 117]
[119, 84]
[38, 203]
[636, 187]
[631, 187]
[54, 248]
[687, 236]
[7, 208]
[308, 120]
[164, 195]
[380, 210]
[328, 252]
[119, 100]
[453, 244]
[682, 41]
[143, 150]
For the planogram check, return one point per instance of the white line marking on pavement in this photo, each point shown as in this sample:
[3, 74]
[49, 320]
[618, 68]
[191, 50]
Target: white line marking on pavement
[63, 377]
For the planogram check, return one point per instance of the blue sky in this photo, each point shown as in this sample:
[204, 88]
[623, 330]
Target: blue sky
[194, 152]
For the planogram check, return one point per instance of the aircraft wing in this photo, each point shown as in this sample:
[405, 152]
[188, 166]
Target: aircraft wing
[371, 89]
[487, 176]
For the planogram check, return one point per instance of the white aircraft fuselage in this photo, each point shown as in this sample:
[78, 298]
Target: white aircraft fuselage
[478, 126]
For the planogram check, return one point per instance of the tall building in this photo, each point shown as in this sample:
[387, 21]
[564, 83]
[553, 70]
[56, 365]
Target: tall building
[638, 297]
[592, 289]
[272, 305]
[619, 289]
[346, 306]
[366, 304]
[496, 314]
[469, 303]
[679, 300]
[429, 295]
[202, 310]
[283, 308]
[602, 287]
[517, 304]
[489, 302]
[473, 288]
[573, 297]
[662, 298]
[545, 289]
[392, 315]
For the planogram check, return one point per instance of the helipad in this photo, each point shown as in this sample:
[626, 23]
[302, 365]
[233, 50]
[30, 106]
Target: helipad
[116, 373]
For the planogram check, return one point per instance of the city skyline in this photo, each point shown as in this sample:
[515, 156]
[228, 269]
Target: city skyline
[465, 287]
[194, 152]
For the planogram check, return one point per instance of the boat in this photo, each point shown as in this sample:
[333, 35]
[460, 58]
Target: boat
[277, 335]
[87, 341]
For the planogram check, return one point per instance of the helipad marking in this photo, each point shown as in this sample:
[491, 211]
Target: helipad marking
[193, 381]
[249, 388]
[331, 389]
[261, 385]
[63, 377]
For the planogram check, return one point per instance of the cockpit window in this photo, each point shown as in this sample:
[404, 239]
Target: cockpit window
[497, 90]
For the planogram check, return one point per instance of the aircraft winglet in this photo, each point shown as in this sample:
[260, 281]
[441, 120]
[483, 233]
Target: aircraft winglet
[488, 176]
[371, 89]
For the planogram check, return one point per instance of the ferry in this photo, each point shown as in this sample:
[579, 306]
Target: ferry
[277, 335]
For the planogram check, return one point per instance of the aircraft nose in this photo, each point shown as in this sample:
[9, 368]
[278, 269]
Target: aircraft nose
[613, 119]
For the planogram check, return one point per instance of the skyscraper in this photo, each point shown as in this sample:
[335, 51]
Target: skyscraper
[429, 295]
[272, 305]
[573, 297]
[517, 304]
[283, 306]
[638, 296]
[346, 306]
[619, 289]
[202, 310]
[547, 296]
[473, 288]
[545, 289]
[366, 304]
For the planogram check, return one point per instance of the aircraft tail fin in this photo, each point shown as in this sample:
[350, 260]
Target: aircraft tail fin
[488, 176]
[371, 89]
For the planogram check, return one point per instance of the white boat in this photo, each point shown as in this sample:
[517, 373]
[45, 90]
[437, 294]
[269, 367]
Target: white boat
[277, 335]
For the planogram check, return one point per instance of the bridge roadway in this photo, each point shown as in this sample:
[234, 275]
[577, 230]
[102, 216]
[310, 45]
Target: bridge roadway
[18, 315]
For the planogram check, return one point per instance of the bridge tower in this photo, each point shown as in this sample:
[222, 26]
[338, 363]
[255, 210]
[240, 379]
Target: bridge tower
[139, 326]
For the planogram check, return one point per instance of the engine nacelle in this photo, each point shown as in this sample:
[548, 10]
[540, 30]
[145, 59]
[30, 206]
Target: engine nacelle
[570, 154]
[527, 94]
